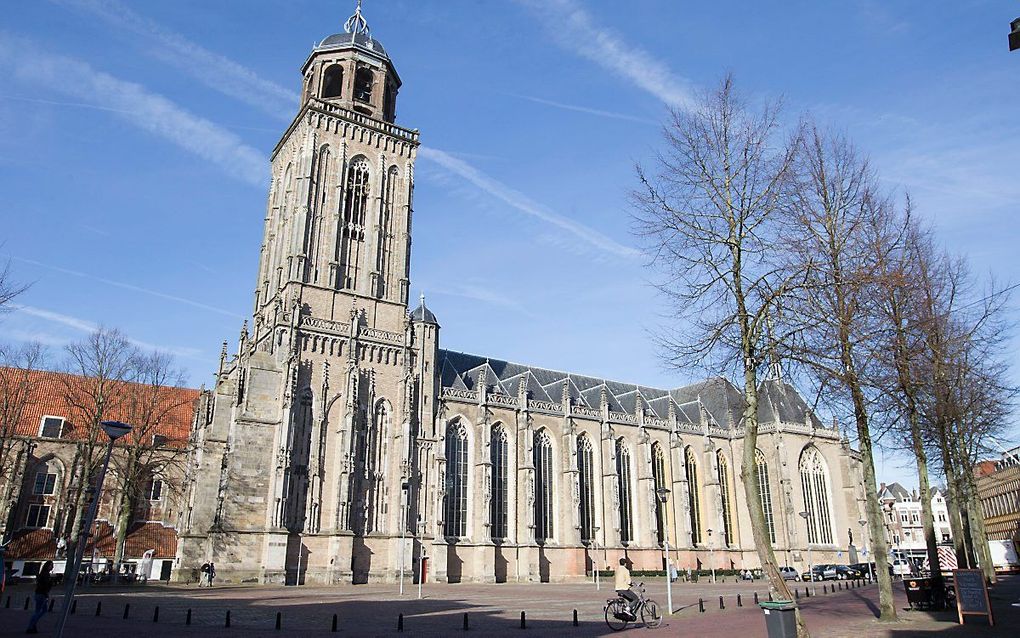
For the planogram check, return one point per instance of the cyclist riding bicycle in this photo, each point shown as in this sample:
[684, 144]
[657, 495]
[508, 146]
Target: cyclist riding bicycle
[622, 587]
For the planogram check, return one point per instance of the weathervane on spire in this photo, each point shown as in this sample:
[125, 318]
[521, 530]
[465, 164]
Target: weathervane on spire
[357, 23]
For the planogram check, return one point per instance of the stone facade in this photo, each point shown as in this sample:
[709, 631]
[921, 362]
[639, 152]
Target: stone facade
[903, 519]
[341, 444]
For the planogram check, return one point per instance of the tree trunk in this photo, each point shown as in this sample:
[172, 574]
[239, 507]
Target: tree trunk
[752, 494]
[979, 537]
[123, 520]
[954, 504]
[924, 487]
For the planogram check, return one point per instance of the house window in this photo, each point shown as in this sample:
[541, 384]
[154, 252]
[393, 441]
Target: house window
[498, 505]
[52, 427]
[814, 478]
[722, 465]
[623, 488]
[455, 524]
[586, 478]
[659, 479]
[45, 483]
[158, 440]
[766, 493]
[38, 515]
[333, 81]
[542, 452]
[693, 495]
[154, 490]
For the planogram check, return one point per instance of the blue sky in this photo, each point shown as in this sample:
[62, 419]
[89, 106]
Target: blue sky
[134, 137]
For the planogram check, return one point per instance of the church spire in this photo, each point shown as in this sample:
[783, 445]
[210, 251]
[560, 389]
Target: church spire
[357, 24]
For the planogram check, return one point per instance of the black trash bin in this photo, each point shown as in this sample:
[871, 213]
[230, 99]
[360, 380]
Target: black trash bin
[921, 593]
[780, 618]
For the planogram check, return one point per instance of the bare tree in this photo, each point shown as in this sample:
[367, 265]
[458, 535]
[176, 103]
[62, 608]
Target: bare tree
[154, 449]
[99, 367]
[841, 230]
[709, 215]
[19, 387]
[8, 288]
[902, 311]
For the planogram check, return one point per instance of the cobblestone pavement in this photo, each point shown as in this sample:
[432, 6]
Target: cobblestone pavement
[372, 610]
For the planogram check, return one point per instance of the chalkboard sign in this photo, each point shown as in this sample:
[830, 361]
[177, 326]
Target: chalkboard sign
[972, 594]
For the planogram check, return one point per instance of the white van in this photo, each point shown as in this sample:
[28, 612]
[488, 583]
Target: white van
[901, 567]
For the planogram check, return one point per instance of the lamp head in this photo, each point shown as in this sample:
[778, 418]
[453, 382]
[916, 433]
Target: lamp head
[804, 515]
[115, 429]
[662, 493]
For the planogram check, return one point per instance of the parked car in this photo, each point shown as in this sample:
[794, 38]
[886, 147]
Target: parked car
[864, 569]
[789, 573]
[846, 572]
[901, 567]
[820, 572]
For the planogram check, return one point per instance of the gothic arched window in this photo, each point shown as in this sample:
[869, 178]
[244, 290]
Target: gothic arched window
[814, 480]
[384, 262]
[586, 487]
[455, 504]
[542, 451]
[623, 487]
[659, 481]
[766, 492]
[498, 457]
[723, 467]
[352, 229]
[333, 81]
[316, 212]
[363, 79]
[693, 494]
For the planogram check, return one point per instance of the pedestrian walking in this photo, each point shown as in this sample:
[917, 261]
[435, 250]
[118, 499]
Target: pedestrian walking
[43, 584]
[212, 573]
[203, 580]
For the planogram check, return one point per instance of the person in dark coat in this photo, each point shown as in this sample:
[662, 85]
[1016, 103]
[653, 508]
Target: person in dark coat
[43, 585]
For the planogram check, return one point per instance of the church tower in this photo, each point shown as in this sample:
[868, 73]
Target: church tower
[307, 459]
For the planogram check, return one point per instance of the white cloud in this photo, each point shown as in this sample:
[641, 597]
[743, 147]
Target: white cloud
[526, 205]
[575, 29]
[134, 103]
[131, 287]
[83, 325]
[585, 109]
[211, 69]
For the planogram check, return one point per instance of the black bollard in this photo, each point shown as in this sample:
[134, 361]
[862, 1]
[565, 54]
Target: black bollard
[755, 598]
[279, 619]
[807, 592]
[74, 605]
[524, 620]
[465, 622]
[701, 605]
[333, 627]
[825, 588]
[575, 618]
[99, 607]
[722, 605]
[155, 614]
[400, 622]
[52, 600]
[187, 619]
[770, 596]
[7, 605]
[127, 610]
[227, 624]
[739, 604]
[26, 601]
[796, 594]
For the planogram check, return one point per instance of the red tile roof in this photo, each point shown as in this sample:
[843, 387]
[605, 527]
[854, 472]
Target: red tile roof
[51, 390]
[39, 544]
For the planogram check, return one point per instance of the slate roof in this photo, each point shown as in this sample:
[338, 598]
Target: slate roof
[49, 397]
[721, 401]
[894, 491]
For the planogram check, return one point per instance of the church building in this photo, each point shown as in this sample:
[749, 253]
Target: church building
[342, 444]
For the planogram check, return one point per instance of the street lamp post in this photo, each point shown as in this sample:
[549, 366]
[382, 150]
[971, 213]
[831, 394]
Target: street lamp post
[663, 494]
[811, 565]
[595, 557]
[711, 553]
[403, 528]
[114, 430]
[865, 532]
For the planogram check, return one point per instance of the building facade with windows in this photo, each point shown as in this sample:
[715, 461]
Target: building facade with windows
[341, 443]
[998, 486]
[44, 451]
[904, 522]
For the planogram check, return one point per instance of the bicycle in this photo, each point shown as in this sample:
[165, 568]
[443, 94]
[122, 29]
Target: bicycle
[647, 609]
